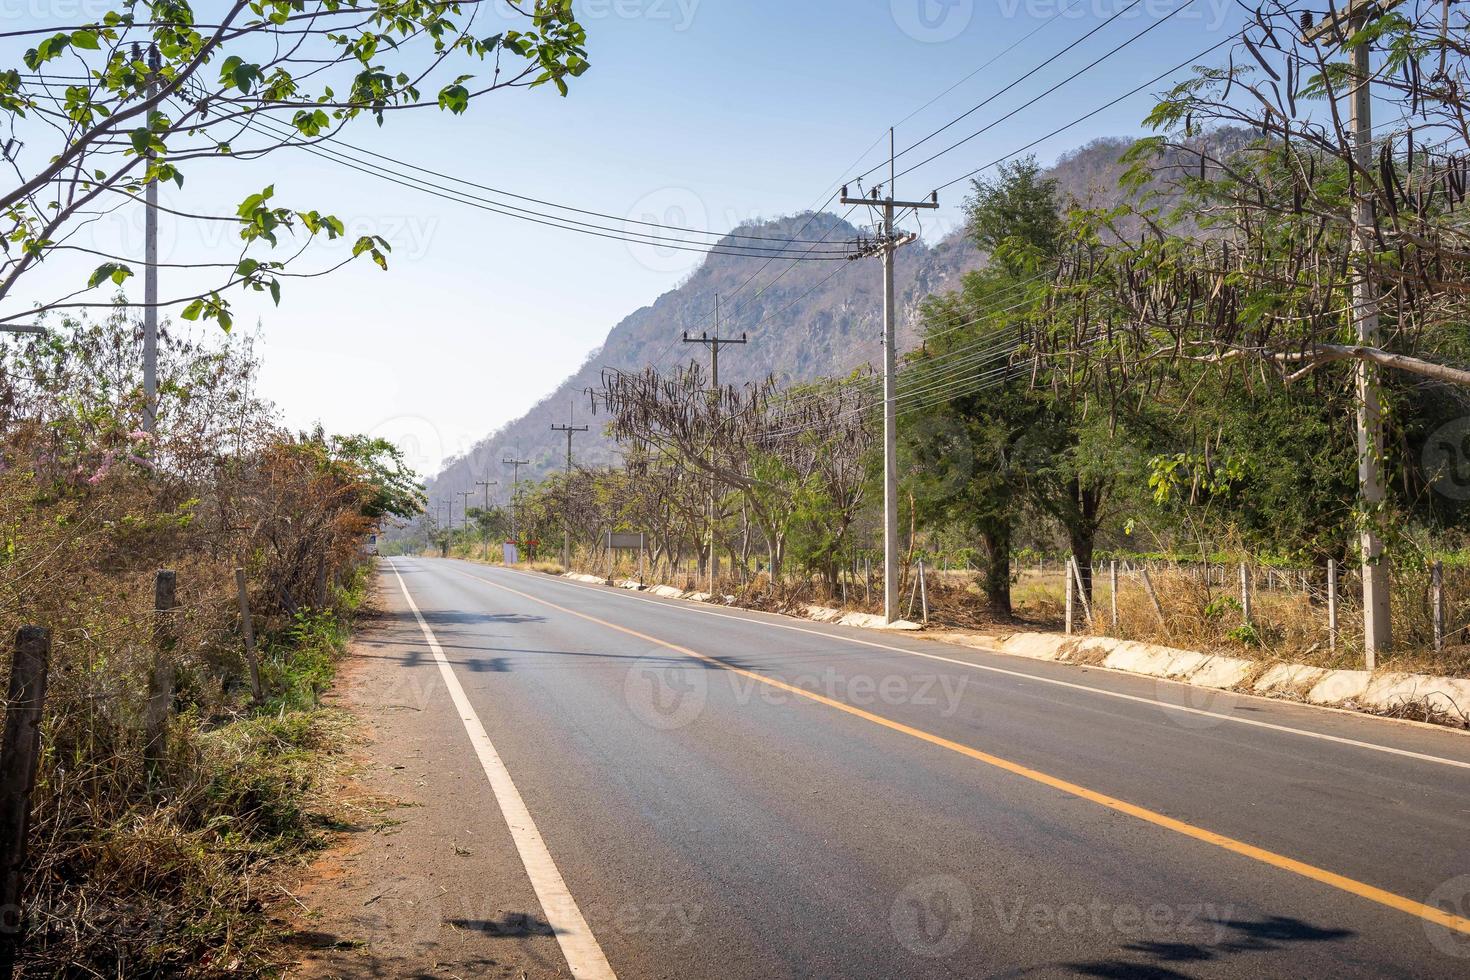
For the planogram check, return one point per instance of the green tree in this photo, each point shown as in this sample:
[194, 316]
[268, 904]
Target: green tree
[994, 435]
[393, 489]
[150, 90]
[1016, 218]
[962, 448]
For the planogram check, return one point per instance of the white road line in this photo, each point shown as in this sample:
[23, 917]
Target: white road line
[578, 945]
[1252, 722]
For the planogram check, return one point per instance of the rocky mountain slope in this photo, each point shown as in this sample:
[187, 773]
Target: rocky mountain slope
[820, 318]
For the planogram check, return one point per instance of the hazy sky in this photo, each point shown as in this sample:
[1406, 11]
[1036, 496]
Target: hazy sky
[705, 112]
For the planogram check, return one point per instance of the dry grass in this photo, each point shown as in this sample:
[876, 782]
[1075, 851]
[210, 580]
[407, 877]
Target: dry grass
[1289, 623]
[162, 866]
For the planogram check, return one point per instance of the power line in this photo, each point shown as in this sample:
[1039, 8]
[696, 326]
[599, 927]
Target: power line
[910, 395]
[1092, 112]
[876, 142]
[420, 168]
[933, 359]
[564, 224]
[992, 60]
[1030, 102]
[1046, 62]
[992, 97]
[981, 317]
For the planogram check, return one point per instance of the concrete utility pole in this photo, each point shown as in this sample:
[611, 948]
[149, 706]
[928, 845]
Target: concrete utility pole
[515, 480]
[713, 343]
[566, 527]
[1377, 629]
[888, 247]
[486, 485]
[150, 270]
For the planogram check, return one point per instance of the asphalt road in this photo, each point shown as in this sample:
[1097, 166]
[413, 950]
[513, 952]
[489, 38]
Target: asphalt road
[703, 792]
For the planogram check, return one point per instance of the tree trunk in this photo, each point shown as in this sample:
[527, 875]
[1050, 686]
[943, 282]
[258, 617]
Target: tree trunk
[1082, 530]
[997, 573]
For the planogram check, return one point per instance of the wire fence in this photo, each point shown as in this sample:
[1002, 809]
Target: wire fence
[1278, 609]
[1308, 613]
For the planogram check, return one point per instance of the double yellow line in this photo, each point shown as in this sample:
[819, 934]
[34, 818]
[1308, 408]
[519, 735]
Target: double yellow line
[1352, 886]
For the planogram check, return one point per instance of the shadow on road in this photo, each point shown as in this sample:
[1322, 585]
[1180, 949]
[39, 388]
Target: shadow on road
[1158, 960]
[509, 925]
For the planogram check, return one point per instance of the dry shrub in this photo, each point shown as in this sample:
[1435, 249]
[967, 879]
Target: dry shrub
[135, 866]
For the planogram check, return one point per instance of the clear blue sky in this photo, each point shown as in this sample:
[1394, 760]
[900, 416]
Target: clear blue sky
[714, 110]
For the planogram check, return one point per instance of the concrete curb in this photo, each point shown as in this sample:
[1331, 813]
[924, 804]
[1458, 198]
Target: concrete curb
[820, 614]
[1445, 699]
[589, 579]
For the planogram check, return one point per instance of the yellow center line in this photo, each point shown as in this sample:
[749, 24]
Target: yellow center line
[1341, 882]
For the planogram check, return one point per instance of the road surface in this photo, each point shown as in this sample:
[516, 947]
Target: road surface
[693, 791]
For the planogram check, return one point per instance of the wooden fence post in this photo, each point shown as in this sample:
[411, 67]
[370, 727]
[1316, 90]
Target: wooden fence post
[923, 592]
[19, 754]
[1436, 578]
[247, 630]
[1067, 578]
[1245, 593]
[1113, 584]
[1153, 597]
[1332, 603]
[868, 578]
[161, 679]
[1082, 592]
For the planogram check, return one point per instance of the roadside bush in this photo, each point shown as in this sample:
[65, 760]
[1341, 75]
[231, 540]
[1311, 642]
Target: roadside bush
[159, 866]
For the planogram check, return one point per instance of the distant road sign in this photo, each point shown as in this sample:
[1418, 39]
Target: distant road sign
[622, 540]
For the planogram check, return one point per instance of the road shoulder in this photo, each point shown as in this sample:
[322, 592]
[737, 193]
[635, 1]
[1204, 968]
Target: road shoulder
[424, 879]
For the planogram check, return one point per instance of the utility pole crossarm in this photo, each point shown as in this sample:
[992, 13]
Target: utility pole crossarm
[1339, 24]
[878, 202]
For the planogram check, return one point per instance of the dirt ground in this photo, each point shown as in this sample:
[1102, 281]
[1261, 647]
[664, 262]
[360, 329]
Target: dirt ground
[424, 880]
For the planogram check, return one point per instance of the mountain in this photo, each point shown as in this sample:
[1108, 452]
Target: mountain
[819, 318]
